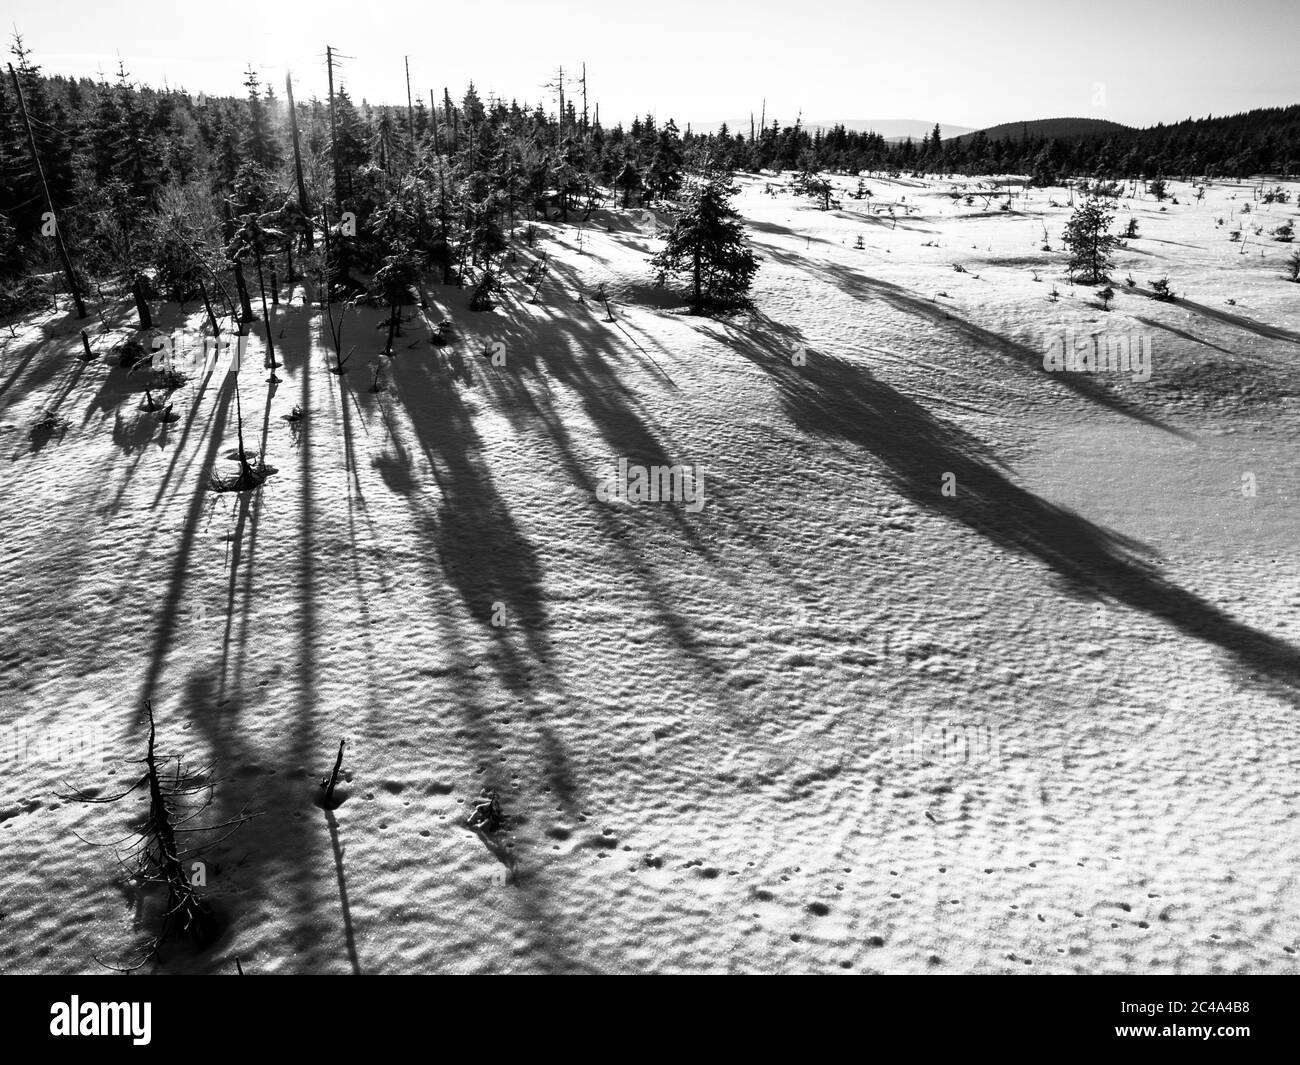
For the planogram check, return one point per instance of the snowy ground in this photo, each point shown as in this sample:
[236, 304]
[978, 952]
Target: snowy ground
[834, 720]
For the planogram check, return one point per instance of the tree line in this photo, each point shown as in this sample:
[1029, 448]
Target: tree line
[169, 193]
[165, 191]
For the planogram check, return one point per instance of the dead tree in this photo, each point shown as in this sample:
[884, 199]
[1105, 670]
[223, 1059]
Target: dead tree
[73, 287]
[303, 203]
[327, 304]
[486, 816]
[600, 295]
[328, 799]
[250, 475]
[158, 860]
[535, 276]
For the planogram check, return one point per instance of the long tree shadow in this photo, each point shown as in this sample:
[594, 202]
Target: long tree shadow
[861, 286]
[482, 551]
[550, 358]
[40, 375]
[349, 936]
[1183, 334]
[170, 600]
[478, 727]
[916, 450]
[248, 506]
[283, 852]
[1240, 321]
[280, 845]
[479, 557]
[587, 361]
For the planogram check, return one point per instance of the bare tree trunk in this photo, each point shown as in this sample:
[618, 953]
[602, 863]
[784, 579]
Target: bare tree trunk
[334, 129]
[584, 99]
[297, 166]
[410, 112]
[245, 470]
[266, 315]
[334, 775]
[245, 305]
[49, 203]
[559, 133]
[141, 304]
[212, 318]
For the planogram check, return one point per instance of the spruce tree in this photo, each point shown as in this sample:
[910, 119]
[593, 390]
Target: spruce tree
[351, 144]
[394, 281]
[707, 248]
[261, 145]
[135, 157]
[1090, 241]
[103, 134]
[665, 173]
[14, 164]
[51, 143]
[629, 180]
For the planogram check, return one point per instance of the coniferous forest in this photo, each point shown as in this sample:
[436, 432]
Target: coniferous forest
[155, 189]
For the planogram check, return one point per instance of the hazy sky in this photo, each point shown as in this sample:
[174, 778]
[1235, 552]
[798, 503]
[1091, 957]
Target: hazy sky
[966, 62]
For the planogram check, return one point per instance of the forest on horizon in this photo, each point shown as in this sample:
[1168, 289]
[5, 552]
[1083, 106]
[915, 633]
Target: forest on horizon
[156, 188]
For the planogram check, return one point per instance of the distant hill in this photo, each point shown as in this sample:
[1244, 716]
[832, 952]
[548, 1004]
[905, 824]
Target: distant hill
[1263, 141]
[1062, 128]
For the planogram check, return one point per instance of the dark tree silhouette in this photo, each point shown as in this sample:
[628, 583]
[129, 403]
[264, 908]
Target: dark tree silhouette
[1090, 241]
[707, 247]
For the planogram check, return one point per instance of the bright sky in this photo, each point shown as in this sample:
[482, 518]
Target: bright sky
[966, 62]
